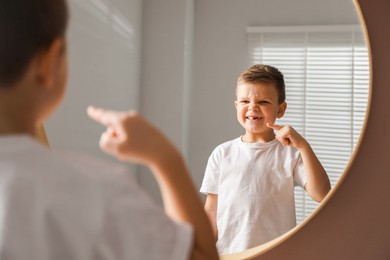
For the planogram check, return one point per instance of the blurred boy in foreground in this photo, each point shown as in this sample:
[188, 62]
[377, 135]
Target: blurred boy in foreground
[65, 206]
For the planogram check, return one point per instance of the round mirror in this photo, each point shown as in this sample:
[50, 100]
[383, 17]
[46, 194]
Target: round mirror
[178, 64]
[320, 48]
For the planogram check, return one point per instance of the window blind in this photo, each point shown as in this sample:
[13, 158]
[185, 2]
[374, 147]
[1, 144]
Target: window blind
[326, 71]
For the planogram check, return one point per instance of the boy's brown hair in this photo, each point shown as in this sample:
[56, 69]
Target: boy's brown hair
[26, 28]
[261, 73]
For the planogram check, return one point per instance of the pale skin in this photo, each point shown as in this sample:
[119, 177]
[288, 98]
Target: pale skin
[258, 107]
[25, 105]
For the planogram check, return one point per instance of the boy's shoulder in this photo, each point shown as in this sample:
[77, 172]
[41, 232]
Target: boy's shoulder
[30, 161]
[237, 144]
[227, 146]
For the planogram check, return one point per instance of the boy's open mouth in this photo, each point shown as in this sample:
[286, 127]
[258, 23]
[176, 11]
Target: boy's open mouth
[253, 118]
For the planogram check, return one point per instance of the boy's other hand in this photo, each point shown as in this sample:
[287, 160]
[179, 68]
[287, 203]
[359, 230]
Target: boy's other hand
[287, 135]
[130, 137]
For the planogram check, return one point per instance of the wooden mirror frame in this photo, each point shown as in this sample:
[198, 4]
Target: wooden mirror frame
[353, 221]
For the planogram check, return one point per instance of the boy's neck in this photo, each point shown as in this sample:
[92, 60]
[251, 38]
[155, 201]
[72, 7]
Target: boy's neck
[258, 138]
[16, 117]
[9, 126]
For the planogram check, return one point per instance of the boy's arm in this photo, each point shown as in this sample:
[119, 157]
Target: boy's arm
[130, 137]
[211, 210]
[318, 184]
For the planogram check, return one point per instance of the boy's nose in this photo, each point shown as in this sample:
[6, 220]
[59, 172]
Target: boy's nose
[253, 106]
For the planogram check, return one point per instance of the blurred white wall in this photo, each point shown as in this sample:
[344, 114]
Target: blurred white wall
[176, 61]
[104, 39]
[165, 72]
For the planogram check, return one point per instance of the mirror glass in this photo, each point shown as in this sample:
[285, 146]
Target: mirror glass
[318, 45]
[178, 61]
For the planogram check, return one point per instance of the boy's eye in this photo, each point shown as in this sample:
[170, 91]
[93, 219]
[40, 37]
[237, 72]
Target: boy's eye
[264, 102]
[244, 101]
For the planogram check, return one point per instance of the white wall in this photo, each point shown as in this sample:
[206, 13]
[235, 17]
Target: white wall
[104, 56]
[165, 72]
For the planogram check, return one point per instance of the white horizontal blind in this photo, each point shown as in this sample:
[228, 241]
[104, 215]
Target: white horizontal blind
[326, 71]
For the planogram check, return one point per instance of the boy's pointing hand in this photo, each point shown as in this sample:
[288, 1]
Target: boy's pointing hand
[287, 135]
[129, 136]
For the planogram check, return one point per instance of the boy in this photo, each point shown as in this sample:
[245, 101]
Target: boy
[62, 206]
[249, 181]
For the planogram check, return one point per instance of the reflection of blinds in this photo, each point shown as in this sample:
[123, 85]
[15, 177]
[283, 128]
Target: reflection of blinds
[326, 70]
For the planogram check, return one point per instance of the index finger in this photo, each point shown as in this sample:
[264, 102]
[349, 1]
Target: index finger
[105, 117]
[275, 127]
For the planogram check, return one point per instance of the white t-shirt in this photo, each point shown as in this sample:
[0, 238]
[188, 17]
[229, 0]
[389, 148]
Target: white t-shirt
[61, 206]
[255, 187]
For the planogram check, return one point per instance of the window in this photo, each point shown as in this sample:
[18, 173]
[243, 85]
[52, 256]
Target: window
[326, 71]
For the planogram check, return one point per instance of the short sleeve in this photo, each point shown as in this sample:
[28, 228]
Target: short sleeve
[212, 174]
[135, 228]
[299, 173]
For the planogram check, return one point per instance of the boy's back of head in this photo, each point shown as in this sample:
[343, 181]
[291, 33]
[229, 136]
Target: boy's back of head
[26, 28]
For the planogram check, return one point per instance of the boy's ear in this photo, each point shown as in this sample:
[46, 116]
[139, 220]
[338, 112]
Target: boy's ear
[282, 109]
[47, 62]
[235, 104]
